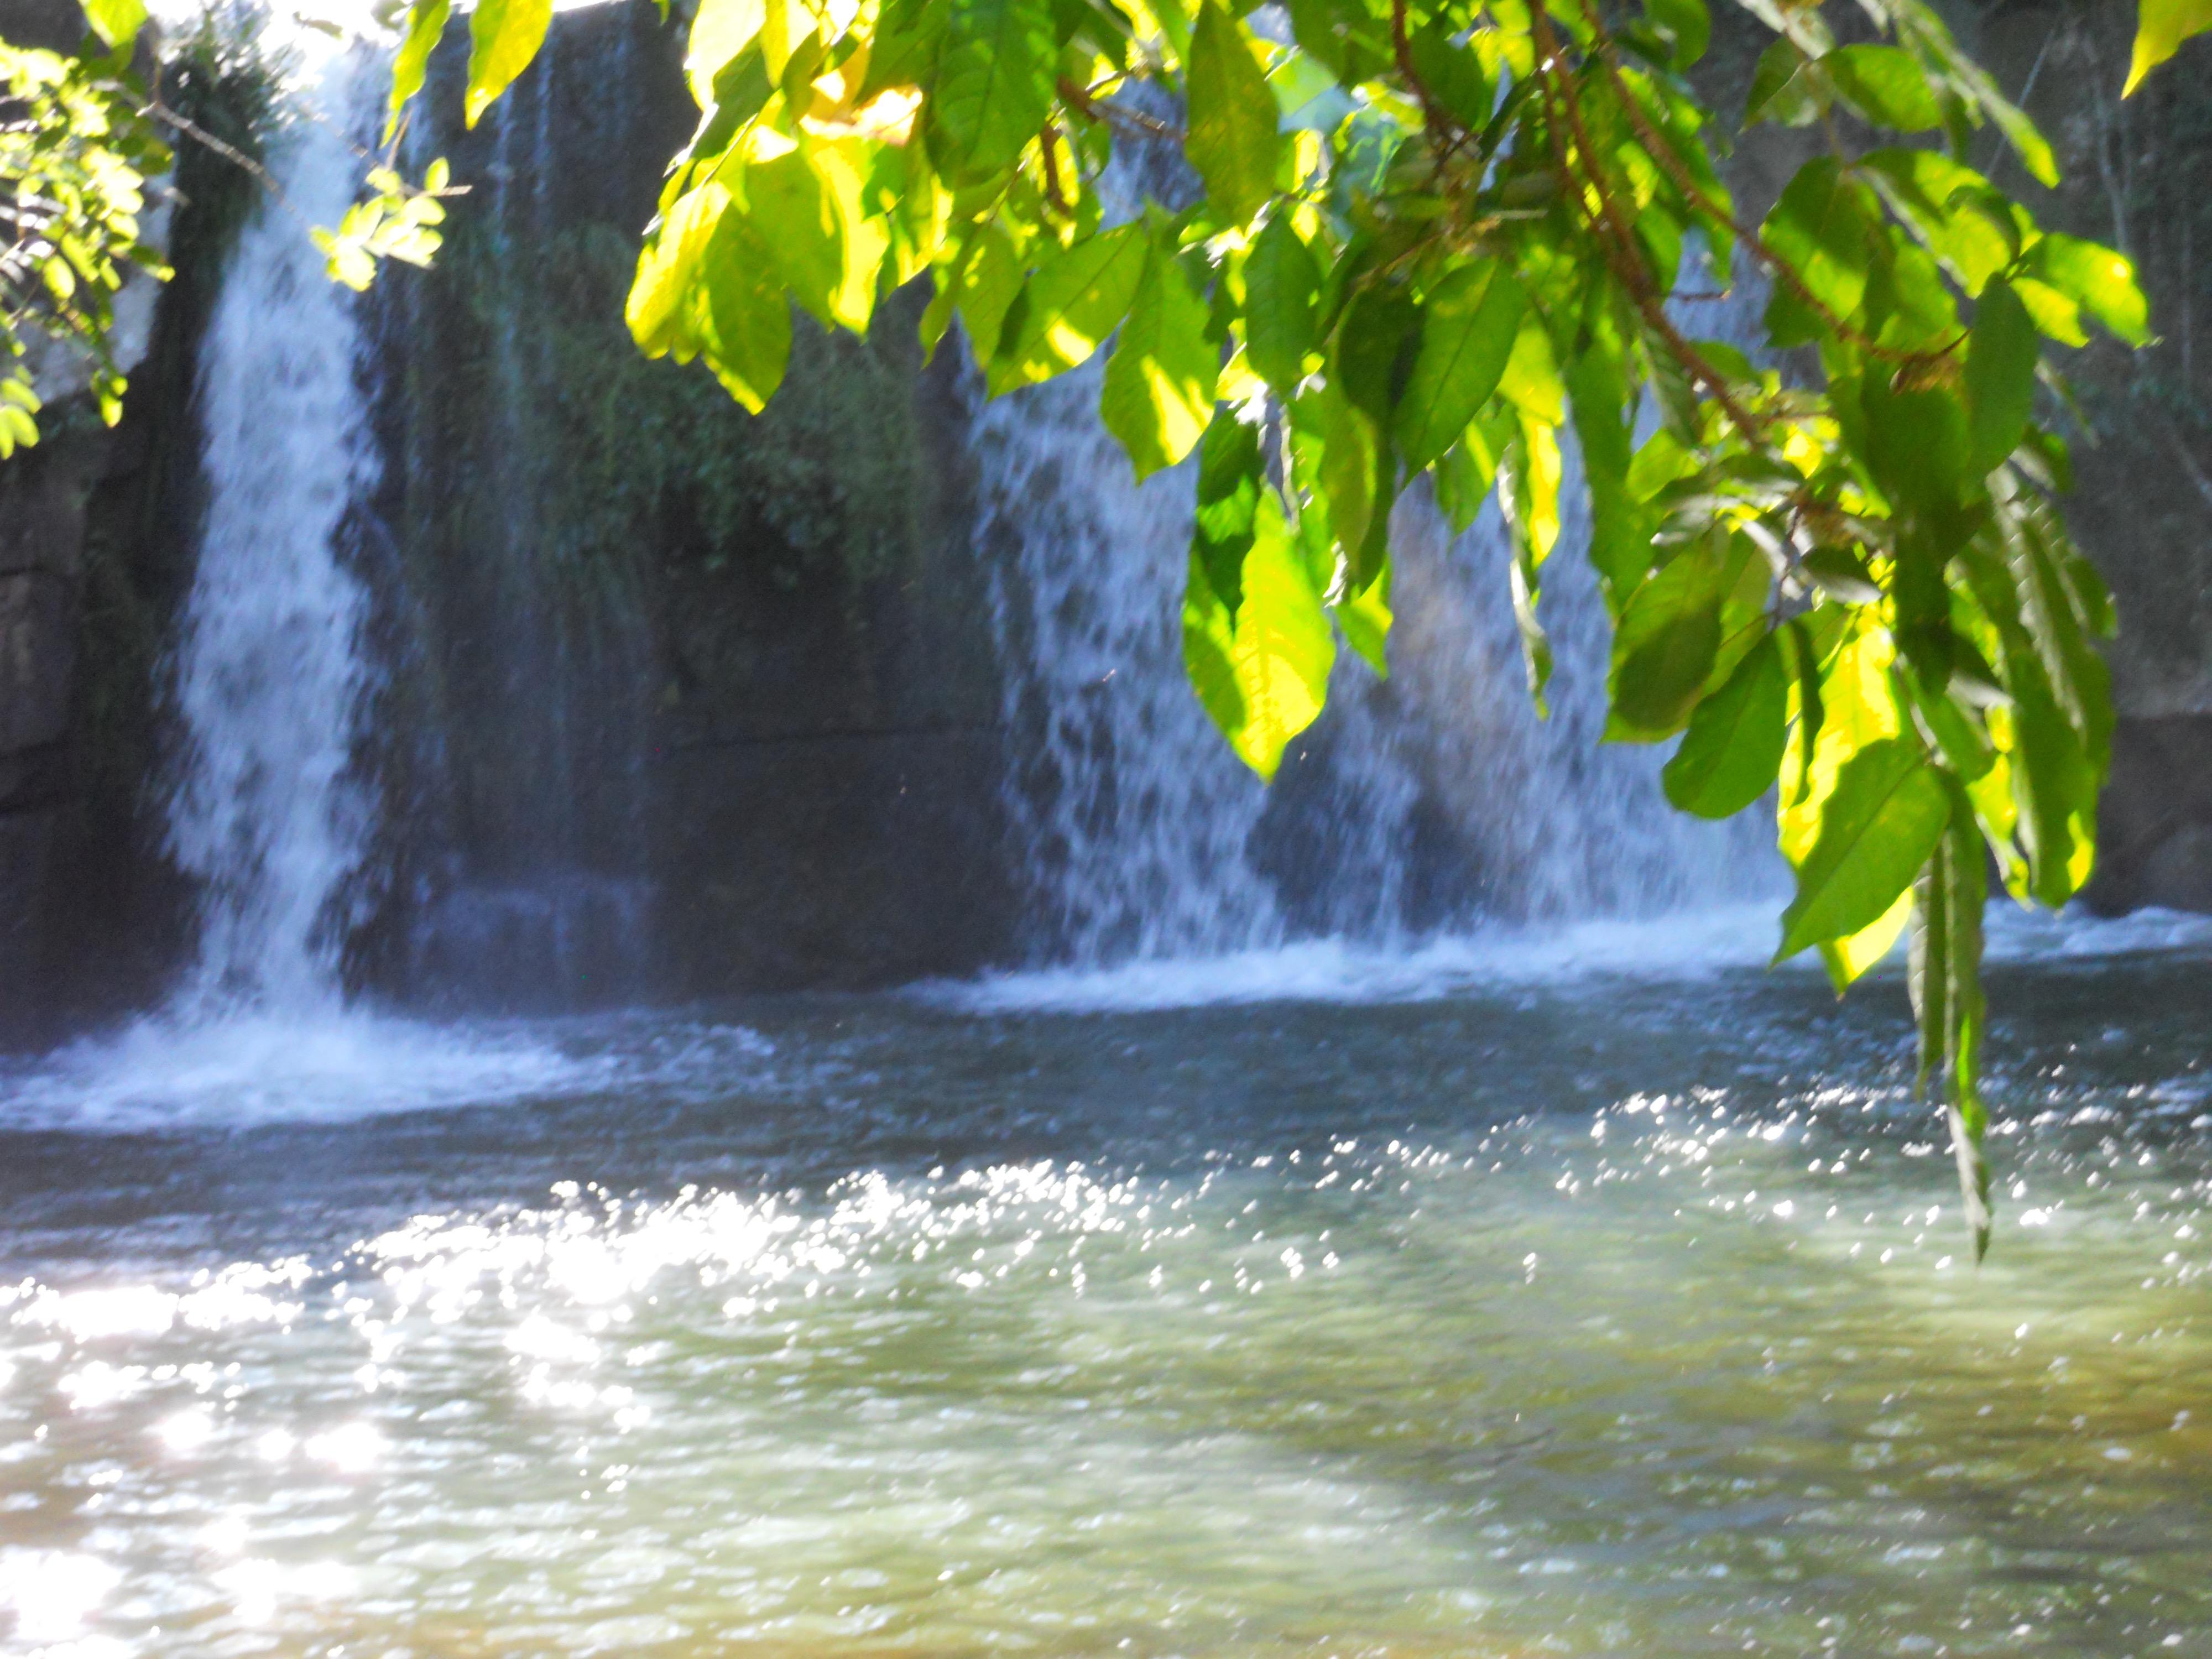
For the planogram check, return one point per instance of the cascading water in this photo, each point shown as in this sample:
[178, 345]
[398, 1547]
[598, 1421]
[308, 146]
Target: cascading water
[1131, 816]
[270, 672]
[1426, 803]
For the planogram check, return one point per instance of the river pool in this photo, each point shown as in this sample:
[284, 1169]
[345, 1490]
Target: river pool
[1513, 1301]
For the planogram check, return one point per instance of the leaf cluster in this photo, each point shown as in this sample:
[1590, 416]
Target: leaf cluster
[75, 156]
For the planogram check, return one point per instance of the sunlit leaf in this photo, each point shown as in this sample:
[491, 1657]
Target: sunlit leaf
[504, 35]
[1158, 391]
[1877, 828]
[2160, 28]
[1232, 139]
[994, 79]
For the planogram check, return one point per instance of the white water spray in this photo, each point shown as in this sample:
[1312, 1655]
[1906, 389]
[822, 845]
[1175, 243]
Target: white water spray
[270, 674]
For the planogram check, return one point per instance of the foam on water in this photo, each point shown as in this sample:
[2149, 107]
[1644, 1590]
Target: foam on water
[1347, 971]
[1687, 945]
[171, 1072]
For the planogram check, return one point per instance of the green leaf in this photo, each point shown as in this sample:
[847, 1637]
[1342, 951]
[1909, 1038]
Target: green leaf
[1366, 619]
[1531, 381]
[1453, 75]
[426, 22]
[994, 84]
[1877, 826]
[2000, 358]
[720, 30]
[1071, 303]
[1159, 392]
[1373, 348]
[116, 21]
[1263, 671]
[1349, 473]
[798, 223]
[747, 342]
[2160, 28]
[667, 266]
[2102, 282]
[1785, 87]
[982, 287]
[1280, 282]
[1470, 325]
[1821, 225]
[1229, 481]
[1733, 749]
[1944, 977]
[1686, 23]
[1231, 138]
[504, 35]
[1917, 444]
[1886, 85]
[1664, 648]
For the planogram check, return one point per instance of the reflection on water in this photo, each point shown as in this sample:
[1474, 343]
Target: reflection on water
[1578, 1316]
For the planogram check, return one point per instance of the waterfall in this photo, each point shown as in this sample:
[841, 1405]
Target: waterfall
[270, 672]
[1131, 816]
[1429, 802]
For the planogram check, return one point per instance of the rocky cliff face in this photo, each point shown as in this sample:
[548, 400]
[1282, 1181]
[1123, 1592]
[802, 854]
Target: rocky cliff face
[682, 699]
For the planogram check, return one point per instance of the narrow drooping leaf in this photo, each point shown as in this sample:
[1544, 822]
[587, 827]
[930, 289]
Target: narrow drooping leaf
[1944, 977]
[425, 23]
[2001, 359]
[504, 35]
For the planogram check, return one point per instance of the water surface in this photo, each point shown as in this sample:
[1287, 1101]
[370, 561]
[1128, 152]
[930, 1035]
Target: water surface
[1475, 1309]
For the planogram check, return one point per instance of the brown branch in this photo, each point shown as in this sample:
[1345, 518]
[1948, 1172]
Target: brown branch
[1656, 145]
[1047, 139]
[1434, 116]
[1614, 235]
[229, 152]
[1077, 98]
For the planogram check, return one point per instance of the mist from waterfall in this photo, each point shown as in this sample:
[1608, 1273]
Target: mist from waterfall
[270, 674]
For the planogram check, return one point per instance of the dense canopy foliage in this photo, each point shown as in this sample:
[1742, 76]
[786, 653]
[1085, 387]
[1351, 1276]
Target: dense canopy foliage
[1336, 247]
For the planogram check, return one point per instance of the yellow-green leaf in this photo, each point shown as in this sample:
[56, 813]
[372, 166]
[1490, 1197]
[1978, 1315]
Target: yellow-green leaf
[116, 21]
[1232, 139]
[426, 22]
[504, 35]
[2160, 28]
[1158, 393]
[1069, 306]
[1877, 826]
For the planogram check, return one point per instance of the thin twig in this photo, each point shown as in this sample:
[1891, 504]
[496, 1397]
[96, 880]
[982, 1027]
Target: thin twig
[1077, 98]
[1615, 236]
[229, 152]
